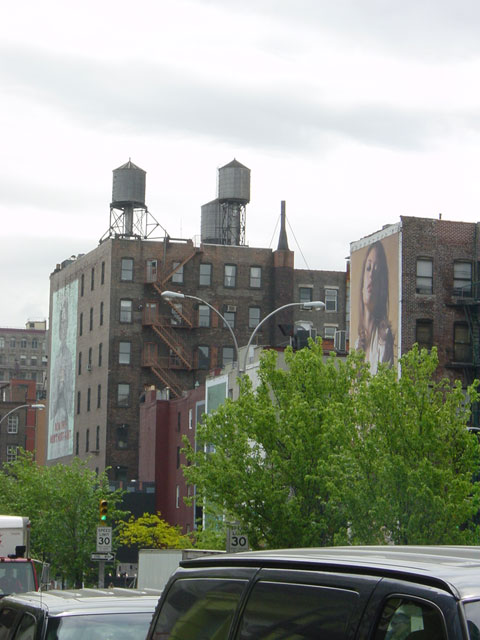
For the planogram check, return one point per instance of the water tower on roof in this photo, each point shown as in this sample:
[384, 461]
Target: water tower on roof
[223, 219]
[129, 215]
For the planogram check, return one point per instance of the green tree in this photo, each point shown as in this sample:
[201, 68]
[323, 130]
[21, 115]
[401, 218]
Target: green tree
[62, 504]
[151, 531]
[324, 453]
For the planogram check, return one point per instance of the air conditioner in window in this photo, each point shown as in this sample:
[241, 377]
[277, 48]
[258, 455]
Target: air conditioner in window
[340, 341]
[89, 367]
[231, 308]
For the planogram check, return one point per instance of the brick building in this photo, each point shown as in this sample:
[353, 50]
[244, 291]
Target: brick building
[433, 287]
[23, 354]
[113, 335]
[17, 421]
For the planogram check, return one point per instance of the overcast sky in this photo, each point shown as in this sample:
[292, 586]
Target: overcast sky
[353, 111]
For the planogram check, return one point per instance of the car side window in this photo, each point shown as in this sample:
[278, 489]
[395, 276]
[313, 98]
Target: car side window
[198, 608]
[8, 620]
[406, 619]
[296, 612]
[27, 628]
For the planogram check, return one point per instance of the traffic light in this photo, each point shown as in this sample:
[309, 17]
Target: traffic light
[103, 508]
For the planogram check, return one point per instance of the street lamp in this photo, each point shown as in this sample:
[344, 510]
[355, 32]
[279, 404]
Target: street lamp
[22, 406]
[314, 304]
[172, 295]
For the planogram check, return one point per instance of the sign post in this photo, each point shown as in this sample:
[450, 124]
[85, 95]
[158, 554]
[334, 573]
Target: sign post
[104, 551]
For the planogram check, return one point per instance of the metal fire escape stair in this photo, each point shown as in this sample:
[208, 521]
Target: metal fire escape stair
[172, 340]
[169, 379]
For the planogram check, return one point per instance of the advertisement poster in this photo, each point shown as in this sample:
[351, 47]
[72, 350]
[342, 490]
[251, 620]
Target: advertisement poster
[374, 282]
[62, 372]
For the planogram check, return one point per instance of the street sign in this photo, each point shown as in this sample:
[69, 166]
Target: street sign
[106, 557]
[104, 539]
[236, 540]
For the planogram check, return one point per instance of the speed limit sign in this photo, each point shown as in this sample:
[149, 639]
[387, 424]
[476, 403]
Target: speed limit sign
[237, 540]
[104, 539]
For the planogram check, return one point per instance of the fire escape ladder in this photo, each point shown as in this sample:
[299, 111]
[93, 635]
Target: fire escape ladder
[169, 379]
[165, 274]
[471, 315]
[171, 338]
[184, 310]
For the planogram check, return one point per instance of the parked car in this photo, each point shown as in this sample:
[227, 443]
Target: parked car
[375, 593]
[120, 614]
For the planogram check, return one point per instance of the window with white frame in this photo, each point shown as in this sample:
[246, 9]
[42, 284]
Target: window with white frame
[124, 349]
[228, 355]
[123, 395]
[305, 294]
[424, 282]
[125, 310]
[329, 331]
[203, 315]
[177, 275]
[127, 269]
[230, 318]
[253, 317]
[12, 424]
[205, 276]
[331, 296]
[12, 452]
[462, 278]
[230, 275]
[255, 277]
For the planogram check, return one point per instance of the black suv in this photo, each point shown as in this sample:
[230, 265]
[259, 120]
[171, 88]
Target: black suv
[375, 593]
[116, 614]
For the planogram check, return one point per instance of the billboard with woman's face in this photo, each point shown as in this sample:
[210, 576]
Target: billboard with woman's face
[374, 297]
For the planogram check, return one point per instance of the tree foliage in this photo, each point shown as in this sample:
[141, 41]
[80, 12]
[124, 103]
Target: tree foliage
[150, 531]
[324, 453]
[62, 503]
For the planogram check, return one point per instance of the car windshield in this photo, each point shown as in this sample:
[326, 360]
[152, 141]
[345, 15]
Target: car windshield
[105, 626]
[472, 613]
[16, 577]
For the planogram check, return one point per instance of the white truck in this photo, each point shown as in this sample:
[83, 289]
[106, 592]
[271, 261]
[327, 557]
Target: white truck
[155, 566]
[18, 572]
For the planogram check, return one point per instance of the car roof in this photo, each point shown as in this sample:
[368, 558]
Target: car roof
[87, 601]
[454, 568]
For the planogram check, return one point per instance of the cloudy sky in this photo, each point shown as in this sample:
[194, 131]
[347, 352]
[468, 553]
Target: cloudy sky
[353, 111]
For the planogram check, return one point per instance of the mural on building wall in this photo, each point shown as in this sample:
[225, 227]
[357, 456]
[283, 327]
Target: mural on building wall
[374, 298]
[62, 371]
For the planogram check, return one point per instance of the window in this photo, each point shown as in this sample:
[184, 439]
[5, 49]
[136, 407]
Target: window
[178, 457]
[33, 361]
[179, 421]
[124, 352]
[253, 317]
[34, 344]
[230, 275]
[87, 440]
[401, 617]
[305, 294]
[177, 275]
[79, 401]
[101, 313]
[100, 349]
[12, 451]
[23, 343]
[12, 424]
[97, 438]
[80, 363]
[123, 395]
[122, 436]
[190, 418]
[205, 278]
[12, 343]
[203, 315]
[89, 397]
[331, 296]
[294, 610]
[424, 276]
[462, 278]
[151, 270]
[80, 325]
[77, 443]
[99, 397]
[82, 284]
[90, 358]
[255, 277]
[2, 343]
[127, 269]
[230, 318]
[424, 334]
[102, 276]
[91, 318]
[203, 357]
[92, 279]
[125, 310]
[329, 332]
[177, 496]
[462, 346]
[228, 355]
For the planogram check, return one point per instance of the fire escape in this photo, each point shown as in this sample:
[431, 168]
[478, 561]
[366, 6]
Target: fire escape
[166, 327]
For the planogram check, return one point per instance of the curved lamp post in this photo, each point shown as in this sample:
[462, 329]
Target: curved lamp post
[22, 406]
[314, 304]
[172, 295]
